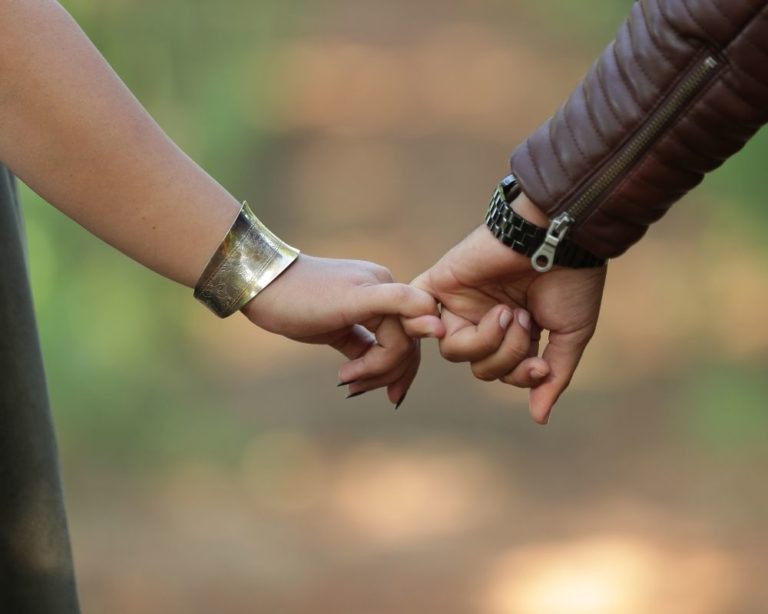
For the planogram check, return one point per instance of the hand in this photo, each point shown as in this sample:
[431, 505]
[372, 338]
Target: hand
[489, 293]
[353, 306]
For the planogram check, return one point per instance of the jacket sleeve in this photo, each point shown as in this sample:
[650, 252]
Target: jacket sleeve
[682, 87]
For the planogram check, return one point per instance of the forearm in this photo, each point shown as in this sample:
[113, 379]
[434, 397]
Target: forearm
[72, 131]
[683, 87]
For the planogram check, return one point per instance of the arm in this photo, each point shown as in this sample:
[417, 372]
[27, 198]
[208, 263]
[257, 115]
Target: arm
[683, 87]
[74, 133]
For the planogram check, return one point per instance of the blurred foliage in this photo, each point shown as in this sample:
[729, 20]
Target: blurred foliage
[591, 24]
[117, 356]
[202, 68]
[103, 318]
[132, 390]
[723, 409]
[742, 182]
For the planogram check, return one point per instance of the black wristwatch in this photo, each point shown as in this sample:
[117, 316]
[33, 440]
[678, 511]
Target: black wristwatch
[531, 240]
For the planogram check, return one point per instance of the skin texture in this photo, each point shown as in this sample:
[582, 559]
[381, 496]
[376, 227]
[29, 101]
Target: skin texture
[73, 132]
[348, 310]
[480, 282]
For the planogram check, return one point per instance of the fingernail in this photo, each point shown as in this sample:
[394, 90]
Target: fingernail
[536, 374]
[340, 384]
[400, 402]
[524, 318]
[352, 395]
[505, 319]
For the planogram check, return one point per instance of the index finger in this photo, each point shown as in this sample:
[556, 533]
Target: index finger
[369, 301]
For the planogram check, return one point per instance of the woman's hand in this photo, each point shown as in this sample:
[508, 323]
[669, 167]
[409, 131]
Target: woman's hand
[494, 307]
[354, 307]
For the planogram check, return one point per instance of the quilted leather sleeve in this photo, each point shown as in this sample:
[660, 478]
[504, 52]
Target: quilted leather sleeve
[682, 87]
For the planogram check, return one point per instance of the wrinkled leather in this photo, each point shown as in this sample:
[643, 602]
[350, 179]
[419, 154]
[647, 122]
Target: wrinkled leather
[653, 51]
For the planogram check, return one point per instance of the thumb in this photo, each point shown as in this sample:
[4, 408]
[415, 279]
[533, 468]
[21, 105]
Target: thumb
[562, 354]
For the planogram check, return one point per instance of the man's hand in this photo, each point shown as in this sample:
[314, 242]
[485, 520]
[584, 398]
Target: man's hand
[489, 293]
[352, 306]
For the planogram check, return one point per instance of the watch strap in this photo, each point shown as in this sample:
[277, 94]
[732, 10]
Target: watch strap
[525, 237]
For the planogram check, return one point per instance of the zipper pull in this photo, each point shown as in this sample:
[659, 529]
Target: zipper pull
[544, 258]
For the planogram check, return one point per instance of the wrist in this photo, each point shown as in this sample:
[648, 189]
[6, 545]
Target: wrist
[521, 226]
[525, 208]
[249, 259]
[267, 305]
[487, 244]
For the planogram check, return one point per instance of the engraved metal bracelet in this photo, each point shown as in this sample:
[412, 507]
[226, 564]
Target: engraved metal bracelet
[249, 258]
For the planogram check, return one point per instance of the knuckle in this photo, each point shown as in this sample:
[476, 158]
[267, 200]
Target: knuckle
[514, 355]
[515, 350]
[399, 293]
[487, 345]
[381, 273]
[450, 353]
[483, 373]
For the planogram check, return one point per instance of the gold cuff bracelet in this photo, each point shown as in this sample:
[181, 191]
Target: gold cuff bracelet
[246, 262]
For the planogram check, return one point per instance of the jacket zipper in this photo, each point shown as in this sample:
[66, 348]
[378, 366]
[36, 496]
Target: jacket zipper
[543, 259]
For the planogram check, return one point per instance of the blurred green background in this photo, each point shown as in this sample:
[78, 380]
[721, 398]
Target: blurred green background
[212, 467]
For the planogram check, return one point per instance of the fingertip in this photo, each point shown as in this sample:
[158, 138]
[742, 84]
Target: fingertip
[530, 373]
[538, 370]
[396, 391]
[540, 417]
[495, 323]
[440, 330]
[433, 327]
[505, 318]
[344, 374]
[541, 402]
[502, 314]
[523, 318]
[424, 327]
[354, 371]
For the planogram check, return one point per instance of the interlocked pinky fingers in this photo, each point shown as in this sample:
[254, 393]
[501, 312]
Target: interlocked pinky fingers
[528, 374]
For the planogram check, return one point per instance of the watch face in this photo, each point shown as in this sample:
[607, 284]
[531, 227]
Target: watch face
[510, 187]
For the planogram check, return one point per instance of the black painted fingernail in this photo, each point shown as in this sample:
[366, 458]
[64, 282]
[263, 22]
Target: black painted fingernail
[400, 402]
[352, 395]
[340, 384]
